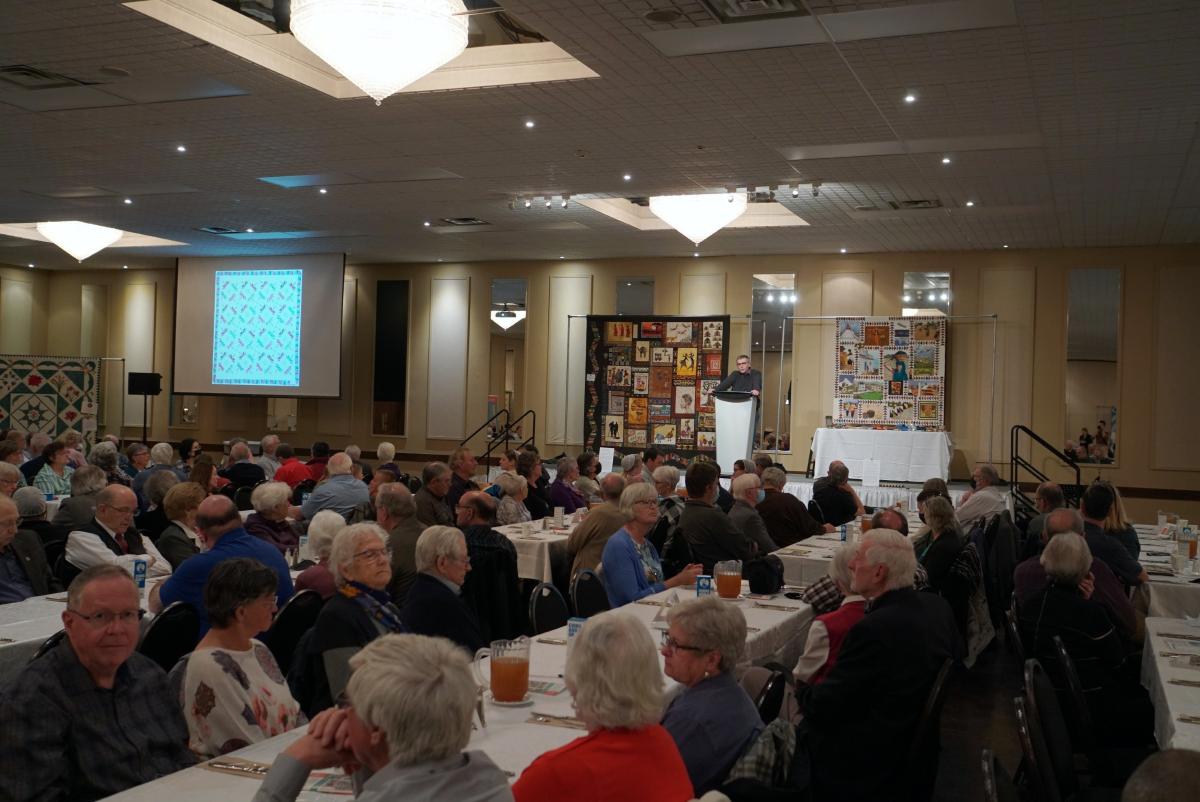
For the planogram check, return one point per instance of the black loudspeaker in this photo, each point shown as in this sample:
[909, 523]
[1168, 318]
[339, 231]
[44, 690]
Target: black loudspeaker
[145, 383]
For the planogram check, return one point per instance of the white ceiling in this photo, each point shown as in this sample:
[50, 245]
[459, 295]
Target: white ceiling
[1088, 111]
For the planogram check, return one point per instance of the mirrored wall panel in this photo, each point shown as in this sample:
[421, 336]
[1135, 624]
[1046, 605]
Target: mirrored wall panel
[1093, 364]
[774, 301]
[925, 294]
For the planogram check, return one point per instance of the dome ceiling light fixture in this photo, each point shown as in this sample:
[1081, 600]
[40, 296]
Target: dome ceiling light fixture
[698, 217]
[382, 46]
[81, 240]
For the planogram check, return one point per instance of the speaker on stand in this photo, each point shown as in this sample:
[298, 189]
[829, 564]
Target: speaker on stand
[145, 385]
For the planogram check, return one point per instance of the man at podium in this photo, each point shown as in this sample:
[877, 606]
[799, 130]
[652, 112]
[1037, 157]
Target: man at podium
[746, 380]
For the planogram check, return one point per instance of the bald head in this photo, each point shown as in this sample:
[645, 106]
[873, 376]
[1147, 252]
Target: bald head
[1169, 776]
[339, 463]
[476, 508]
[115, 506]
[1060, 521]
[215, 516]
[611, 485]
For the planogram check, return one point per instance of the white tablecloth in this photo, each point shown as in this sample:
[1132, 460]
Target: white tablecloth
[807, 561]
[1170, 701]
[870, 496]
[903, 456]
[24, 626]
[1172, 596]
[533, 550]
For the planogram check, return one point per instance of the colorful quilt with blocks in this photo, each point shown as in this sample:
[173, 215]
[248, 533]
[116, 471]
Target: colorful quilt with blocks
[50, 394]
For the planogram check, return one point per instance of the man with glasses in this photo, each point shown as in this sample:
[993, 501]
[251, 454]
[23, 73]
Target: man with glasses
[91, 717]
[434, 605]
[224, 537]
[23, 571]
[111, 538]
[745, 380]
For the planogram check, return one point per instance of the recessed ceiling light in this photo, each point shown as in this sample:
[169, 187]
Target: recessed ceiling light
[696, 253]
[31, 264]
[628, 283]
[439, 260]
[528, 203]
[793, 297]
[970, 203]
[843, 250]
[1005, 246]
[910, 98]
[322, 190]
[249, 231]
[427, 224]
[945, 160]
[530, 123]
[906, 298]
[124, 267]
[770, 299]
[181, 148]
[128, 201]
[627, 177]
[945, 296]
[549, 203]
[562, 257]
[795, 192]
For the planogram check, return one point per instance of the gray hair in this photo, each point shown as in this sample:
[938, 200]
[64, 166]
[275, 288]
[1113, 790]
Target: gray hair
[667, 475]
[88, 480]
[838, 472]
[988, 474]
[564, 466]
[353, 452]
[419, 691]
[162, 454]
[774, 477]
[713, 625]
[434, 471]
[632, 494]
[939, 515]
[879, 520]
[157, 485]
[613, 673]
[239, 451]
[345, 545]
[268, 441]
[339, 464]
[322, 530]
[38, 441]
[744, 482]
[385, 452]
[30, 501]
[396, 500]
[1067, 558]
[629, 462]
[438, 541]
[9, 471]
[94, 574]
[1063, 520]
[269, 495]
[510, 483]
[104, 456]
[889, 548]
[839, 565]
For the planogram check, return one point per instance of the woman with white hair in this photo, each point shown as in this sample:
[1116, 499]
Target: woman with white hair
[321, 531]
[632, 567]
[359, 612]
[713, 720]
[403, 723]
[512, 509]
[272, 502]
[829, 630]
[616, 684]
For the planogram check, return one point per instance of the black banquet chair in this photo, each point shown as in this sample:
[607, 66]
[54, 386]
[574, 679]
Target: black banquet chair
[770, 699]
[998, 785]
[173, 633]
[814, 509]
[298, 615]
[923, 752]
[547, 608]
[48, 644]
[588, 595]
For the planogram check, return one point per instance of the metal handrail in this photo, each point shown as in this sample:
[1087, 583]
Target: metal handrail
[483, 425]
[529, 413]
[1018, 462]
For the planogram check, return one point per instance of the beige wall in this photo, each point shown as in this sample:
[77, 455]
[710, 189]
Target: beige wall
[1026, 289]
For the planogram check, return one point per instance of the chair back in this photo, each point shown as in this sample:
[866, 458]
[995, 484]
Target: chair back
[1046, 717]
[173, 633]
[547, 608]
[302, 487]
[1078, 713]
[48, 644]
[588, 595]
[298, 615]
[922, 764]
[64, 571]
[814, 509]
[492, 591]
[53, 550]
[241, 497]
[998, 785]
[770, 698]
[1038, 772]
[1013, 631]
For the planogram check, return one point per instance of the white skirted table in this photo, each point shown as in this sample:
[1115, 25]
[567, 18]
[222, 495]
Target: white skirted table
[1163, 679]
[903, 456]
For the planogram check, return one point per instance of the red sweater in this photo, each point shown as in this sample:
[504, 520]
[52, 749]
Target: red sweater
[609, 766]
[838, 625]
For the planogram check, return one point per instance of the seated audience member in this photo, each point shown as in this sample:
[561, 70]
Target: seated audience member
[362, 470]
[180, 540]
[34, 459]
[889, 518]
[632, 568]
[396, 513]
[835, 495]
[189, 450]
[739, 467]
[1049, 497]
[899, 645]
[244, 472]
[747, 492]
[434, 605]
[1166, 776]
[204, 473]
[670, 504]
[341, 492]
[322, 529]
[562, 489]
[462, 464]
[366, 512]
[162, 458]
[713, 720]
[1030, 577]
[268, 460]
[828, 631]
[786, 518]
[761, 463]
[984, 500]
[1117, 524]
[385, 453]
[652, 460]
[359, 612]
[14, 448]
[586, 542]
[709, 532]
[405, 723]
[110, 537]
[105, 457]
[319, 457]
[91, 717]
[937, 549]
[224, 537]
[476, 517]
[291, 470]
[937, 485]
[508, 465]
[10, 479]
[23, 569]
[137, 458]
[1095, 506]
[80, 507]
[55, 476]
[724, 500]
[587, 483]
[231, 689]
[529, 468]
[632, 468]
[31, 504]
[512, 509]
[153, 519]
[73, 440]
[431, 499]
[269, 521]
[614, 677]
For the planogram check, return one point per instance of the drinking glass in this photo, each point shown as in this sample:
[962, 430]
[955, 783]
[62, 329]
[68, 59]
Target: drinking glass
[508, 668]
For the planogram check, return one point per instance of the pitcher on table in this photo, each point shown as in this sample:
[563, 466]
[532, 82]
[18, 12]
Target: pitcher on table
[508, 666]
[728, 575]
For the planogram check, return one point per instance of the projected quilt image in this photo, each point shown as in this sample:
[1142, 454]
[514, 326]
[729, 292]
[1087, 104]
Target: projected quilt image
[256, 327]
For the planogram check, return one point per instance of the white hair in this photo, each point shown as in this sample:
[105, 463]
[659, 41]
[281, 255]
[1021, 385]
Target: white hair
[353, 452]
[629, 462]
[510, 483]
[713, 625]
[322, 530]
[889, 548]
[438, 541]
[162, 454]
[667, 475]
[613, 673]
[1067, 558]
[419, 691]
[385, 452]
[268, 441]
[346, 545]
[239, 451]
[88, 480]
[839, 565]
[632, 494]
[339, 464]
[9, 471]
[773, 477]
[269, 495]
[744, 482]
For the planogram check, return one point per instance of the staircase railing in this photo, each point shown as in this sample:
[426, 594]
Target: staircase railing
[1023, 505]
[532, 438]
[503, 434]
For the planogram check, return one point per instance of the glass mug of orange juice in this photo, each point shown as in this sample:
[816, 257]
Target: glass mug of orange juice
[508, 665]
[728, 575]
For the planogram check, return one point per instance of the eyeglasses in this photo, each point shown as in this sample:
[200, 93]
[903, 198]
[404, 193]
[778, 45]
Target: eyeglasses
[464, 560]
[342, 702]
[672, 645]
[104, 618]
[374, 554]
[647, 501]
[122, 510]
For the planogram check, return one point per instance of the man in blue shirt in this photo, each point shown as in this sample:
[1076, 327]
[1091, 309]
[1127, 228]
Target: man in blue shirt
[341, 492]
[220, 527]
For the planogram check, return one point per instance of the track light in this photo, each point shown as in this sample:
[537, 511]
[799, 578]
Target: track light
[528, 203]
[549, 202]
[816, 189]
[565, 198]
[795, 192]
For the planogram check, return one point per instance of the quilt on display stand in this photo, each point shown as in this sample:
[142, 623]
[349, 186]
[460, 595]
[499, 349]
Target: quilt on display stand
[890, 372]
[50, 394]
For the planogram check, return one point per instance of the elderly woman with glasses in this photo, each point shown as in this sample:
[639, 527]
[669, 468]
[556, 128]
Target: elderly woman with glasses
[231, 689]
[401, 726]
[359, 612]
[512, 509]
[55, 476]
[632, 568]
[616, 684]
[713, 720]
[271, 502]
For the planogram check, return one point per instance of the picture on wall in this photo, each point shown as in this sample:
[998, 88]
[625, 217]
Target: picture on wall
[890, 372]
[650, 382]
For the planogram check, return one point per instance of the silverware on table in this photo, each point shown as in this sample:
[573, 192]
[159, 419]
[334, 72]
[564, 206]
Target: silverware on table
[1191, 683]
[1188, 719]
[556, 721]
[1177, 635]
[553, 641]
[781, 607]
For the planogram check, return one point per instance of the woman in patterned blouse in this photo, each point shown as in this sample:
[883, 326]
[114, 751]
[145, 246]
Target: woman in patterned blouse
[55, 476]
[231, 689]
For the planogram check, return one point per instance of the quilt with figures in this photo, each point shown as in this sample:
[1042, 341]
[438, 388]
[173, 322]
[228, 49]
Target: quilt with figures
[50, 394]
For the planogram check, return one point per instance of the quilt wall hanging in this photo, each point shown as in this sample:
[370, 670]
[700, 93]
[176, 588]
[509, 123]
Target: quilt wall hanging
[50, 394]
[890, 372]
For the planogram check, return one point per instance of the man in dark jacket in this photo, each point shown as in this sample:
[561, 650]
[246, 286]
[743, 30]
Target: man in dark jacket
[434, 605]
[836, 497]
[786, 518]
[243, 472]
[23, 570]
[711, 534]
[874, 695]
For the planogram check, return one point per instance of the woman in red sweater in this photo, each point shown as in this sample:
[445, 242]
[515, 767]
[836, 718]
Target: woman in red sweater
[616, 683]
